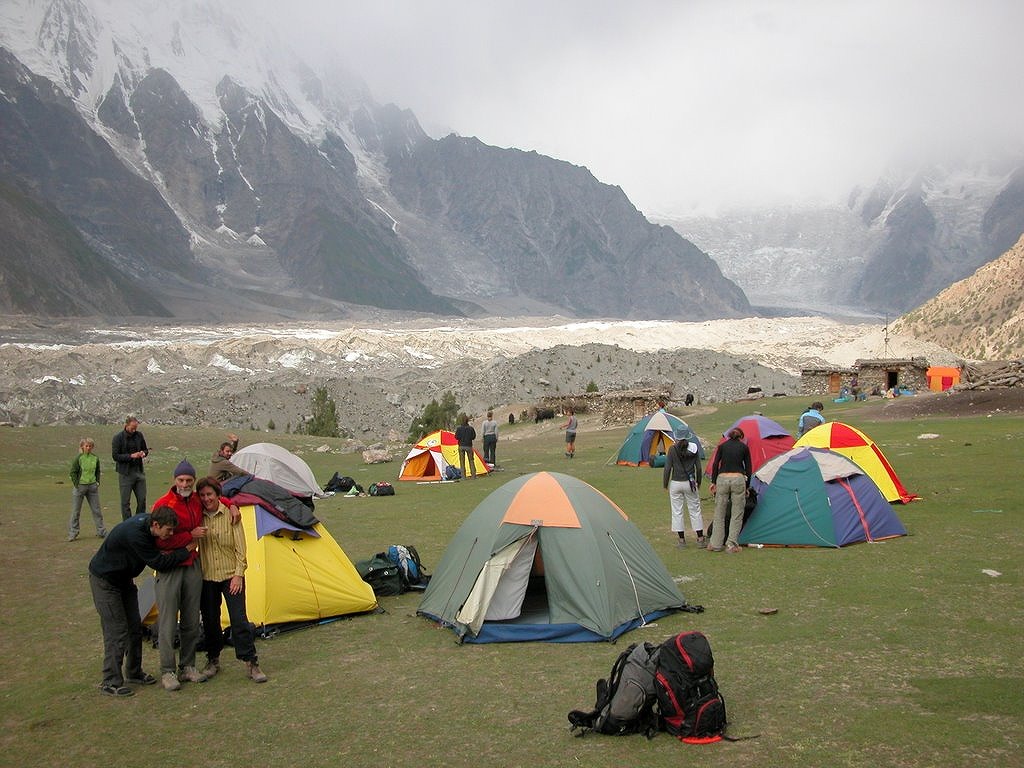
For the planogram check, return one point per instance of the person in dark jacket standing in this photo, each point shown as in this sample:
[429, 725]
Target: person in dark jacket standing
[128, 449]
[464, 436]
[128, 548]
[730, 473]
[682, 477]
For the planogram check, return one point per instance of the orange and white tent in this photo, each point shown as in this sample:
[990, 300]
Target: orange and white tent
[855, 445]
[433, 454]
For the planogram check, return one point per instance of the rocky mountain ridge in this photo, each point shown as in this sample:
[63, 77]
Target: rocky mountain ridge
[184, 157]
[886, 250]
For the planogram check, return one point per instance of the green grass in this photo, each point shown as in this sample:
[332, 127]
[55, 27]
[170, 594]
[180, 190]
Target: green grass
[897, 653]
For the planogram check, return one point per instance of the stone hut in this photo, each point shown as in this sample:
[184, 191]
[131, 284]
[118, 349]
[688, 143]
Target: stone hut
[824, 381]
[871, 374]
[882, 374]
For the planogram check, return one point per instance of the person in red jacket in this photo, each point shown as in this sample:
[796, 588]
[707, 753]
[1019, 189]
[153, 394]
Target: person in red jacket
[180, 589]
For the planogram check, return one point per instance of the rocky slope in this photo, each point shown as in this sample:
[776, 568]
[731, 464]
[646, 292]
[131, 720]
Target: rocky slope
[382, 376]
[980, 317]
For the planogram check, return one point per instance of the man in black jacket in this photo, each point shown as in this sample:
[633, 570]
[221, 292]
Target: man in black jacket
[125, 552]
[128, 449]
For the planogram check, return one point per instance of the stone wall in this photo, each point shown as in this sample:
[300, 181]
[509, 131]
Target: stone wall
[615, 408]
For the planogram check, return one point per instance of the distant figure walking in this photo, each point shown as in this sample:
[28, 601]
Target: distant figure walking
[464, 436]
[570, 433]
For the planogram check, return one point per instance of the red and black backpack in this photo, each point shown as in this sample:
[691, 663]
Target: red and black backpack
[690, 704]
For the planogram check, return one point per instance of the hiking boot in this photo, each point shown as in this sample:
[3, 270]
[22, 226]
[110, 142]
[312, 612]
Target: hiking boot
[144, 679]
[101, 534]
[253, 671]
[702, 542]
[212, 668]
[117, 691]
[170, 681]
[192, 675]
[73, 536]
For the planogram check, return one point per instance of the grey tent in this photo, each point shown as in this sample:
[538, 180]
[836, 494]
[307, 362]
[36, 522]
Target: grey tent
[548, 557]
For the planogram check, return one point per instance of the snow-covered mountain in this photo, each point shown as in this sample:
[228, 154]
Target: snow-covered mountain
[157, 156]
[887, 250]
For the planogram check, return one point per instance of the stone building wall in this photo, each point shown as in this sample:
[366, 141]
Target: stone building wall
[615, 408]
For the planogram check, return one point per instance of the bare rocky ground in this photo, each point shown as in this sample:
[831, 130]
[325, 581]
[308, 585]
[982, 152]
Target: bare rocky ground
[985, 402]
[382, 376]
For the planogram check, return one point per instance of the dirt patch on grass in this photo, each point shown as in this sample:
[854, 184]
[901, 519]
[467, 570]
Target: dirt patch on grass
[1009, 400]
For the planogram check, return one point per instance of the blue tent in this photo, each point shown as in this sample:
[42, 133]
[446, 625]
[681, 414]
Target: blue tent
[818, 498]
[652, 435]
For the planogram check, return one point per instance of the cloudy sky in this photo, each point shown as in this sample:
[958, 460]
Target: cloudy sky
[692, 105]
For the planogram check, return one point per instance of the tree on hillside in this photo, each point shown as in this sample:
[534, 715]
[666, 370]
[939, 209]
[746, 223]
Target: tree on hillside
[323, 421]
[435, 416]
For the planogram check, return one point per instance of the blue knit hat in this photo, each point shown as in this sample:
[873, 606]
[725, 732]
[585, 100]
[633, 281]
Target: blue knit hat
[184, 468]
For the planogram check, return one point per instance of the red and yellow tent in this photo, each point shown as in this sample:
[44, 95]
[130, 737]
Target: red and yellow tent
[434, 453]
[855, 445]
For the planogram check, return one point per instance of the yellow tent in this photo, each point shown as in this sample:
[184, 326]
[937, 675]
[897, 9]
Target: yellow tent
[855, 445]
[293, 575]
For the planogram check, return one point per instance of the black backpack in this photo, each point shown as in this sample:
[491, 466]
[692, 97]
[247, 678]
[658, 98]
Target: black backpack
[381, 489]
[381, 574]
[339, 484]
[689, 702]
[625, 700]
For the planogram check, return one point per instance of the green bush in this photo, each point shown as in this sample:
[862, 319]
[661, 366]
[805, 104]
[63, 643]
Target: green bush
[323, 421]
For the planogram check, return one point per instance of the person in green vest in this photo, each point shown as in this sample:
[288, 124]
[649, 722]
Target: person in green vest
[85, 477]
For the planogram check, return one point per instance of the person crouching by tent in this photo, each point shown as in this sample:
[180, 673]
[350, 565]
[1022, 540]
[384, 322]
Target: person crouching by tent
[222, 557]
[682, 479]
[810, 419]
[730, 473]
[221, 468]
[125, 552]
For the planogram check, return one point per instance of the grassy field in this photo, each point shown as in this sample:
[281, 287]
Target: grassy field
[897, 653]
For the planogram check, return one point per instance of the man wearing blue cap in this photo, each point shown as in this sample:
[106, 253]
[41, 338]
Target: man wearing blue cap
[179, 589]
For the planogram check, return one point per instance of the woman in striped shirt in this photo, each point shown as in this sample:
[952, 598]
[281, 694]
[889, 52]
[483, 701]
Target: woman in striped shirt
[222, 555]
